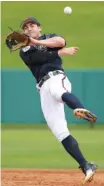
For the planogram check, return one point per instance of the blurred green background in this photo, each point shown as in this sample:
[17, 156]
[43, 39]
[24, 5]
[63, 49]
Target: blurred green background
[83, 28]
[34, 146]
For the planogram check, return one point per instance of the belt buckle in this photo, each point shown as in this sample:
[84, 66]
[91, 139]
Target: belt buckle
[50, 74]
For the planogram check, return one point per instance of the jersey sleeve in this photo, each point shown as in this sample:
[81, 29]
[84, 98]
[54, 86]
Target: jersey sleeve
[55, 35]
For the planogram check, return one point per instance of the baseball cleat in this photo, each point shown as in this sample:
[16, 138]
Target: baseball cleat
[85, 114]
[89, 170]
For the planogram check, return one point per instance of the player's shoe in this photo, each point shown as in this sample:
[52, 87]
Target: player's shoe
[85, 114]
[89, 170]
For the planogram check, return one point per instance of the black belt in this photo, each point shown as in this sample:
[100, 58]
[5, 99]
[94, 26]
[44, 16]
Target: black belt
[49, 76]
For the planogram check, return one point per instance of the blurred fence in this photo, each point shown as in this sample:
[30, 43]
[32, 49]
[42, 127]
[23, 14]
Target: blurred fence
[20, 101]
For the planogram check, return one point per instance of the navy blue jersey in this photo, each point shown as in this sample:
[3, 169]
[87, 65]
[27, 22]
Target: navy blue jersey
[39, 68]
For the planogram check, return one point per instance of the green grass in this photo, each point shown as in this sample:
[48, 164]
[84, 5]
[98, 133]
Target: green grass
[84, 28]
[34, 146]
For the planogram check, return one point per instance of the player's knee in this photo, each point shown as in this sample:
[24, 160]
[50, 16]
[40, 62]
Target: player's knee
[60, 131]
[62, 136]
[55, 94]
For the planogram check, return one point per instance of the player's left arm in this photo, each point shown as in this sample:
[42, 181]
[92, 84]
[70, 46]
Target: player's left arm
[55, 41]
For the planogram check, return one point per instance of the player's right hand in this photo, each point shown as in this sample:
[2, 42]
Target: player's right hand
[68, 51]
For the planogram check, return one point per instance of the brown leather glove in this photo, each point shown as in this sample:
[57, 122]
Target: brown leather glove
[16, 40]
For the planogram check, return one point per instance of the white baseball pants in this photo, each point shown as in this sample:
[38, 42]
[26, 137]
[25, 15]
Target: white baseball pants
[53, 106]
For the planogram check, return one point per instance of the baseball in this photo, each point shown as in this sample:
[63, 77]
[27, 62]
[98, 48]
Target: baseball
[67, 10]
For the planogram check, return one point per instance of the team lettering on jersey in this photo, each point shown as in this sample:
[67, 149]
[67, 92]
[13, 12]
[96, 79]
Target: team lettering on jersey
[39, 48]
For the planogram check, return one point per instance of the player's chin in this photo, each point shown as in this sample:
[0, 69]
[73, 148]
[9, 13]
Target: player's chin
[32, 35]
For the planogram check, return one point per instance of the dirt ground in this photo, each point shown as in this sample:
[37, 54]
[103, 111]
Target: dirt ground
[33, 177]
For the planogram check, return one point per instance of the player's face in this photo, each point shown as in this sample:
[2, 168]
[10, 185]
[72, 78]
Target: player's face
[32, 30]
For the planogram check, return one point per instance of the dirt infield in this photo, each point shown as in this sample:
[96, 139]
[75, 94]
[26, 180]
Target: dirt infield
[33, 177]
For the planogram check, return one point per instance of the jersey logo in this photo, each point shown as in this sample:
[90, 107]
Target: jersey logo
[41, 48]
[25, 49]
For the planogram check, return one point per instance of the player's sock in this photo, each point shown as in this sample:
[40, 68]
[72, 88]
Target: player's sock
[71, 146]
[71, 100]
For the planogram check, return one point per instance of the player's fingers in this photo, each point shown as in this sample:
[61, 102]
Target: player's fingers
[76, 48]
[74, 52]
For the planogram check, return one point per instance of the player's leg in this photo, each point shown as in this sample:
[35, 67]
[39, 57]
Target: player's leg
[71, 146]
[71, 100]
[62, 91]
[63, 86]
[74, 103]
[53, 111]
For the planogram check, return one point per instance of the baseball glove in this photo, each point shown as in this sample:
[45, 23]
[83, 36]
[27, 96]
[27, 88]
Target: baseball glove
[16, 40]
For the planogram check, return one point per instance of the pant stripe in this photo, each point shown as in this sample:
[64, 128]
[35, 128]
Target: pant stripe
[63, 83]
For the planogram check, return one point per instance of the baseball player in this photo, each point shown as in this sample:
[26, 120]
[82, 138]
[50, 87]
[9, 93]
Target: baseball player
[42, 54]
